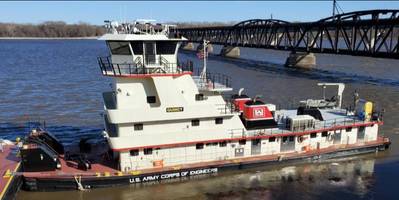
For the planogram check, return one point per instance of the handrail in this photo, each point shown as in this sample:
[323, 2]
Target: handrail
[138, 62]
[108, 68]
[213, 80]
[226, 108]
[319, 125]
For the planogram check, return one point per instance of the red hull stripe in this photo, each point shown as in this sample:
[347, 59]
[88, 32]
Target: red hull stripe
[147, 75]
[252, 137]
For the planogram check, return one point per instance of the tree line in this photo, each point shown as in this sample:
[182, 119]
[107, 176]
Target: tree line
[54, 29]
[50, 29]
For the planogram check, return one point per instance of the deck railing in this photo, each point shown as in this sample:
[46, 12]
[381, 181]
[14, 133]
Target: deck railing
[212, 80]
[226, 108]
[282, 127]
[108, 68]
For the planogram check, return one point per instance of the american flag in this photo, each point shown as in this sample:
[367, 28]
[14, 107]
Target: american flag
[201, 54]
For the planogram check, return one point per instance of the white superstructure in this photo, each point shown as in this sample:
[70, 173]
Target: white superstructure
[159, 114]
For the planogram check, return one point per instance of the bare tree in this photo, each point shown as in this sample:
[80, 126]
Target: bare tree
[50, 29]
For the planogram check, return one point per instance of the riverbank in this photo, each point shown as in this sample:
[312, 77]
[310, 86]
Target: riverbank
[49, 38]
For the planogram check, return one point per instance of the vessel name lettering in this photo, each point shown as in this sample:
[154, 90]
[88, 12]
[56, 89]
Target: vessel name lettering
[173, 175]
[203, 171]
[174, 109]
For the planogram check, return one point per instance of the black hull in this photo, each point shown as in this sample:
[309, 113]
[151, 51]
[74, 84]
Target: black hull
[57, 184]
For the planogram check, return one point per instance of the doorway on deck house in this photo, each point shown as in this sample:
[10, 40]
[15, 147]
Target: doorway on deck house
[287, 143]
[337, 136]
[255, 146]
[360, 133]
[149, 53]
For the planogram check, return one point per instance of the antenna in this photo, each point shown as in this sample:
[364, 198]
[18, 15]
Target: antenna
[120, 13]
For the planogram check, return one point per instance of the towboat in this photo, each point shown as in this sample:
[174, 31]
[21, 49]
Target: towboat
[163, 120]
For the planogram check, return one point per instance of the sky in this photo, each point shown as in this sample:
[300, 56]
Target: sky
[95, 12]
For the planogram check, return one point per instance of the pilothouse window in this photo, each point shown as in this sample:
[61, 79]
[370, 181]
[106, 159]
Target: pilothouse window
[137, 48]
[119, 48]
[166, 47]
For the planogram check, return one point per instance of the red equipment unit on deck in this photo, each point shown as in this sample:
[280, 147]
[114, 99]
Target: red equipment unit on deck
[257, 115]
[239, 101]
[256, 111]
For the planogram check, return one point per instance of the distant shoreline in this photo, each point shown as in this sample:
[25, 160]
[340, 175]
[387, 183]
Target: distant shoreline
[49, 38]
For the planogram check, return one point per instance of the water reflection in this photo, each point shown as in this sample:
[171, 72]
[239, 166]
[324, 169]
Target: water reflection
[351, 174]
[354, 177]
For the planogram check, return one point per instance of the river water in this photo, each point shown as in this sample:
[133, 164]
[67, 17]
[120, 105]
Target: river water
[58, 81]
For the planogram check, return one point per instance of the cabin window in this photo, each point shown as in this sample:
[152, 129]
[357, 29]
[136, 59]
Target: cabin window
[195, 122]
[285, 138]
[324, 134]
[151, 99]
[242, 142]
[348, 129]
[148, 151]
[219, 120]
[199, 97]
[212, 144]
[138, 127]
[137, 48]
[119, 48]
[223, 144]
[313, 135]
[272, 139]
[361, 129]
[199, 146]
[110, 128]
[291, 138]
[134, 152]
[166, 47]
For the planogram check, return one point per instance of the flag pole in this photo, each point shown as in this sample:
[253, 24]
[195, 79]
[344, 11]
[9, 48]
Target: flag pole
[203, 73]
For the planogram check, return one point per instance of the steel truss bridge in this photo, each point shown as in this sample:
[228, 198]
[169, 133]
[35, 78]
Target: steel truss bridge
[373, 33]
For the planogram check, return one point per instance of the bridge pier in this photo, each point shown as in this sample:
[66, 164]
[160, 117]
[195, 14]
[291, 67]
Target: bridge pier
[301, 60]
[230, 51]
[209, 48]
[188, 46]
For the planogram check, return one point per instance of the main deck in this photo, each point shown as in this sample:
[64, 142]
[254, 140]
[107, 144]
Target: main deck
[102, 176]
[9, 164]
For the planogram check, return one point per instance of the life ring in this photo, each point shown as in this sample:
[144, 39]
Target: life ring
[300, 139]
[158, 163]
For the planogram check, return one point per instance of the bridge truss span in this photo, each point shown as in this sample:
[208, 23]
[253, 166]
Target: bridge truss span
[373, 33]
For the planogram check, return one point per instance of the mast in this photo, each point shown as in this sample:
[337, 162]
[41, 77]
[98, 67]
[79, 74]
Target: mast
[203, 73]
